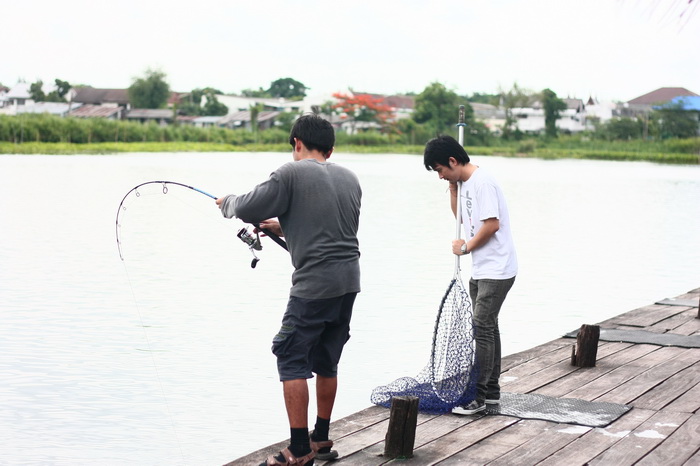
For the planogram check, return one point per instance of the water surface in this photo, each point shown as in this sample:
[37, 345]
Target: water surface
[164, 358]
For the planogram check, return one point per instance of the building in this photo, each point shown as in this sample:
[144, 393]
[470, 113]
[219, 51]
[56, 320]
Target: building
[243, 119]
[645, 103]
[97, 111]
[61, 109]
[103, 97]
[17, 96]
[161, 116]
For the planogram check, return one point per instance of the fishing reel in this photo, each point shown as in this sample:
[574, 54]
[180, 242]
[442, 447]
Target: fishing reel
[253, 242]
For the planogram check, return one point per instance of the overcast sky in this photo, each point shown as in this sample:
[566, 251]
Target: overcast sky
[610, 49]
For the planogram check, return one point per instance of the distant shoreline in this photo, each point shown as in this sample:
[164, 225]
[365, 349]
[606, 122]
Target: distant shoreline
[60, 148]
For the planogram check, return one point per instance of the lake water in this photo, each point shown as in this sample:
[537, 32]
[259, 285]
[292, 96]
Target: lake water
[164, 358]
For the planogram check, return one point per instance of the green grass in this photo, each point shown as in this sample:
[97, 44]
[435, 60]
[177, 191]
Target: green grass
[63, 148]
[633, 151]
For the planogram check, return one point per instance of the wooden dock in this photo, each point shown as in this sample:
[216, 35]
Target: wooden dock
[660, 383]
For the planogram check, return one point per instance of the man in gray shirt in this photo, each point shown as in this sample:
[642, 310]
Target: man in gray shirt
[315, 205]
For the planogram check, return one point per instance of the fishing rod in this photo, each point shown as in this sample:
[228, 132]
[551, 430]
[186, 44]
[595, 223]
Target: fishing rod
[243, 234]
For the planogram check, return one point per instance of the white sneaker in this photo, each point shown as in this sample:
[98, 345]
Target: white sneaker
[472, 408]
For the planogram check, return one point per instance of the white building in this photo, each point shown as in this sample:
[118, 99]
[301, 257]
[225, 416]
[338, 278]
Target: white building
[17, 96]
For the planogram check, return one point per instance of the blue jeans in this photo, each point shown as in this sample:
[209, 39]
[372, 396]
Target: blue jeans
[487, 298]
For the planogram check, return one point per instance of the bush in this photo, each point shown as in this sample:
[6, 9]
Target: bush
[369, 138]
[527, 146]
[683, 146]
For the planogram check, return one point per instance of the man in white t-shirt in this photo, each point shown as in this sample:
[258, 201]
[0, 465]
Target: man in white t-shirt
[494, 263]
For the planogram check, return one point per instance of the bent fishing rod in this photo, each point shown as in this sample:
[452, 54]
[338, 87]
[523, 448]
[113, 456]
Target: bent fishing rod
[253, 242]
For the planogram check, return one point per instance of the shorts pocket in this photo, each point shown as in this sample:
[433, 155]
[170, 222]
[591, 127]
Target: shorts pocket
[282, 341]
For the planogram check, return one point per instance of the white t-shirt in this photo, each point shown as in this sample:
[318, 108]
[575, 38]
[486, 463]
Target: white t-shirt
[482, 198]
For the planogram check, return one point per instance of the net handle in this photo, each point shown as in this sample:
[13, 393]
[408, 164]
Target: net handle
[460, 130]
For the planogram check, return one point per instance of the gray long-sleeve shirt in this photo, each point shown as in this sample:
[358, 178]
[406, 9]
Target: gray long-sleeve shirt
[318, 207]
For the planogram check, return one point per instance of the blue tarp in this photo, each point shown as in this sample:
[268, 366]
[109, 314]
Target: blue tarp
[688, 102]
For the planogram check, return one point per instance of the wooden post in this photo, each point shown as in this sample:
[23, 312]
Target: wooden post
[583, 354]
[401, 434]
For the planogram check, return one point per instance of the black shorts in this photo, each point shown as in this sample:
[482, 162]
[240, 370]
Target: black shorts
[312, 336]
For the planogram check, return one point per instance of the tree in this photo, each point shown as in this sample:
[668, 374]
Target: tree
[287, 88]
[150, 91]
[621, 129]
[478, 97]
[36, 91]
[212, 106]
[437, 107]
[514, 98]
[362, 107]
[676, 122]
[285, 121]
[192, 104]
[59, 94]
[253, 93]
[552, 106]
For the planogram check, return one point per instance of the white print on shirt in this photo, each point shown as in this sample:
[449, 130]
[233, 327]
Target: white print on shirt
[468, 203]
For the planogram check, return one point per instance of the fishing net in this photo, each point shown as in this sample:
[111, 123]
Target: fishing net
[448, 380]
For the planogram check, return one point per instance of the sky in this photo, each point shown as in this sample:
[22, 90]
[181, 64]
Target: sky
[612, 50]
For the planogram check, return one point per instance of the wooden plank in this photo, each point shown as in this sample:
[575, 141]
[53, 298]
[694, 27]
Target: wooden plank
[350, 444]
[536, 365]
[517, 359]
[627, 353]
[339, 428]
[655, 315]
[687, 403]
[595, 442]
[498, 444]
[693, 460]
[539, 379]
[446, 446]
[598, 387]
[692, 327]
[425, 433]
[641, 313]
[554, 373]
[367, 443]
[640, 384]
[642, 440]
[678, 324]
[678, 447]
[553, 439]
[440, 426]
[670, 389]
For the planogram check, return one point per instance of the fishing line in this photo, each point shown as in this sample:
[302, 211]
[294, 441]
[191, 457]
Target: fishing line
[254, 245]
[252, 242]
[155, 366]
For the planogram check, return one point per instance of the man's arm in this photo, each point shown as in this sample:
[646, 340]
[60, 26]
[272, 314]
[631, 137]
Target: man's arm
[487, 230]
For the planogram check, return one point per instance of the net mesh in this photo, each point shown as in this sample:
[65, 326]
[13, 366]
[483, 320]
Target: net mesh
[448, 380]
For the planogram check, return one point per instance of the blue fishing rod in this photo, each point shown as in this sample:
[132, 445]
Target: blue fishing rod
[253, 242]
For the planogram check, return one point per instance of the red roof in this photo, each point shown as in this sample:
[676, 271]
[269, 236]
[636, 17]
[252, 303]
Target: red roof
[91, 95]
[661, 96]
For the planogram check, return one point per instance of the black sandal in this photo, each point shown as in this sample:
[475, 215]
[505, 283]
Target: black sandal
[326, 455]
[285, 458]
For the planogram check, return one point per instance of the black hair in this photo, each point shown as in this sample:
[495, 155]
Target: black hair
[439, 150]
[315, 132]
